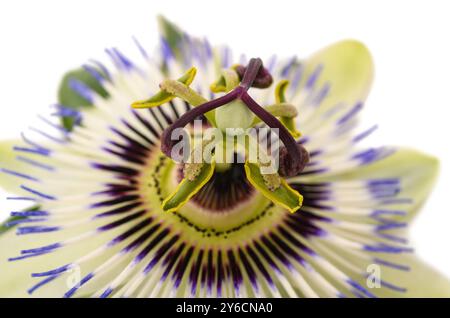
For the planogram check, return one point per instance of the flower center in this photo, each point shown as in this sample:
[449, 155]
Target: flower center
[226, 207]
[225, 190]
[253, 73]
[233, 114]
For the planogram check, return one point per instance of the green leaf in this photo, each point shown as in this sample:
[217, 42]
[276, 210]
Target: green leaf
[3, 226]
[172, 34]
[69, 98]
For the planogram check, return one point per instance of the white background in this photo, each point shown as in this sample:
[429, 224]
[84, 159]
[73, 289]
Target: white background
[40, 40]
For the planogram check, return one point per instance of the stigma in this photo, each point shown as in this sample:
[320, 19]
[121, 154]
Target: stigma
[234, 113]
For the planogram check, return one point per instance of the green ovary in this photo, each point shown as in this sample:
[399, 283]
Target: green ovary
[234, 115]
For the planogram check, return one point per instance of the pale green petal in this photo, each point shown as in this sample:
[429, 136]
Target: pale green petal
[15, 276]
[8, 182]
[347, 67]
[417, 173]
[422, 280]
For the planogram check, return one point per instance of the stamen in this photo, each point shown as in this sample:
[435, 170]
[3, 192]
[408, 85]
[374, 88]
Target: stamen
[283, 110]
[272, 181]
[182, 91]
[193, 168]
[293, 162]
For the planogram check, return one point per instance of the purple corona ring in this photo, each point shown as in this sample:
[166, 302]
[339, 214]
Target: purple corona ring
[286, 200]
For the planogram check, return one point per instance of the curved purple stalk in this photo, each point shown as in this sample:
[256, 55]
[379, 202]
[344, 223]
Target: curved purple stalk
[295, 161]
[293, 158]
[254, 75]
[254, 65]
[166, 141]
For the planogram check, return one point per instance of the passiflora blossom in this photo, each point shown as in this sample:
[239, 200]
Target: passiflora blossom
[113, 215]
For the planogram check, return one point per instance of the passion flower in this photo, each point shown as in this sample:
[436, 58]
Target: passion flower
[113, 215]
